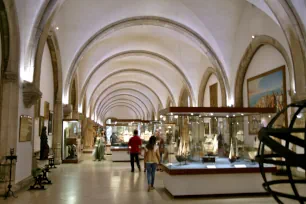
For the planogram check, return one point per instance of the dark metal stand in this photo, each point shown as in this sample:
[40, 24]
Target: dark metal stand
[9, 191]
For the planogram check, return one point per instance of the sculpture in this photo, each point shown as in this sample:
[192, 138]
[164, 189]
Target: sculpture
[44, 147]
[281, 155]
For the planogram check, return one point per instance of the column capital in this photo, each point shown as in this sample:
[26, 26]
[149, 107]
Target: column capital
[30, 94]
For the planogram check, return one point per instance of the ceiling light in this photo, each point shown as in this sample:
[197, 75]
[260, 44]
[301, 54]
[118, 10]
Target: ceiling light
[57, 28]
[253, 36]
[176, 116]
[191, 113]
[211, 114]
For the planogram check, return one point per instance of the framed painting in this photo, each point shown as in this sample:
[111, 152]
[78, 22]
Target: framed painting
[50, 123]
[267, 90]
[46, 110]
[41, 124]
[213, 92]
[25, 128]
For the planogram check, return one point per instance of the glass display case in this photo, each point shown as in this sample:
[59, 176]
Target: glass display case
[71, 150]
[119, 132]
[211, 136]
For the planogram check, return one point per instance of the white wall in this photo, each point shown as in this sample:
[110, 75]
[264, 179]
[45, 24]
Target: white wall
[24, 149]
[121, 113]
[47, 89]
[253, 22]
[212, 80]
[265, 59]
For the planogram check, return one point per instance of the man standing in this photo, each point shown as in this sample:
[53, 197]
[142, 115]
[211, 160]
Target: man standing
[134, 147]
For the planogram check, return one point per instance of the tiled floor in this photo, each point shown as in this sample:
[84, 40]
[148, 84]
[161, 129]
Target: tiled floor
[92, 182]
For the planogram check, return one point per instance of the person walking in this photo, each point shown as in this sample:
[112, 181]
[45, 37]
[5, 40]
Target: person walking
[134, 149]
[151, 158]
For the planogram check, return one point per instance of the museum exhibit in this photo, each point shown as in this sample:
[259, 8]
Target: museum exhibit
[207, 97]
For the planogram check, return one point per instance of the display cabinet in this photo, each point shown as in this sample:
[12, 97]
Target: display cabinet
[71, 144]
[206, 140]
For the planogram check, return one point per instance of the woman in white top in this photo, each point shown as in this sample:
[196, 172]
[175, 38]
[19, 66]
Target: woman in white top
[151, 158]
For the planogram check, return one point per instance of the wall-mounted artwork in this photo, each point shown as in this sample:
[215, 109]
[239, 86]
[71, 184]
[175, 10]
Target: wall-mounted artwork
[50, 124]
[41, 124]
[37, 108]
[267, 90]
[25, 128]
[46, 110]
[213, 92]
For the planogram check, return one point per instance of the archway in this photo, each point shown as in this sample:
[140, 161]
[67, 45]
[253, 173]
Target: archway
[208, 73]
[251, 50]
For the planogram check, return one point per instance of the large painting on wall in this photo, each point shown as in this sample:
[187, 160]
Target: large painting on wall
[50, 123]
[213, 92]
[25, 128]
[267, 90]
[46, 110]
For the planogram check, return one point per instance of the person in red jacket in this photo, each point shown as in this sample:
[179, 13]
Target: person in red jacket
[134, 148]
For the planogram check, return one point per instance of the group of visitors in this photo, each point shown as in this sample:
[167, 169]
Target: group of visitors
[152, 155]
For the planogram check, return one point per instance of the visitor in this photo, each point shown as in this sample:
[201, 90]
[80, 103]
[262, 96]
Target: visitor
[151, 158]
[134, 149]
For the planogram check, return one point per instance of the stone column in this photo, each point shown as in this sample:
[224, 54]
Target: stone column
[57, 134]
[9, 120]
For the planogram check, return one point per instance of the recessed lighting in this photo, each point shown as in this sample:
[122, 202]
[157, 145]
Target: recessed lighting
[242, 114]
[227, 116]
[171, 113]
[176, 116]
[57, 28]
[234, 115]
[253, 36]
[211, 114]
[191, 113]
[269, 116]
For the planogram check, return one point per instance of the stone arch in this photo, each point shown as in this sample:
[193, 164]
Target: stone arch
[122, 100]
[211, 71]
[251, 50]
[121, 82]
[185, 99]
[140, 71]
[122, 89]
[295, 34]
[140, 113]
[148, 20]
[58, 88]
[130, 95]
[9, 77]
[139, 53]
[169, 102]
[102, 116]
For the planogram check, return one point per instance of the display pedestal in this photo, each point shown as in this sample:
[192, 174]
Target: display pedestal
[220, 178]
[120, 154]
[108, 150]
[213, 184]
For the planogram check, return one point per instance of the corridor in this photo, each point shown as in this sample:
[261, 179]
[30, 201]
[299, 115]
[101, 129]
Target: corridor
[92, 182]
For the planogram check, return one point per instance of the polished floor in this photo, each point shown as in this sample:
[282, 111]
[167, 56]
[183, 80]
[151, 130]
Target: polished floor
[112, 183]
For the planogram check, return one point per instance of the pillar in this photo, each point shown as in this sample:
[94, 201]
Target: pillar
[57, 134]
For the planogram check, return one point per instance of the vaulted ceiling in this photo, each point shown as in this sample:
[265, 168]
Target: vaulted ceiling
[136, 54]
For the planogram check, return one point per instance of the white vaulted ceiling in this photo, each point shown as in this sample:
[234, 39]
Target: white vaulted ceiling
[136, 54]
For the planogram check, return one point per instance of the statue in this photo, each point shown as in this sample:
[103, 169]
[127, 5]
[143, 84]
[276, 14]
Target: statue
[44, 147]
[99, 151]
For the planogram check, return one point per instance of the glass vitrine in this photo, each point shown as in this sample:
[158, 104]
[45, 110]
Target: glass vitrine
[71, 150]
[198, 136]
